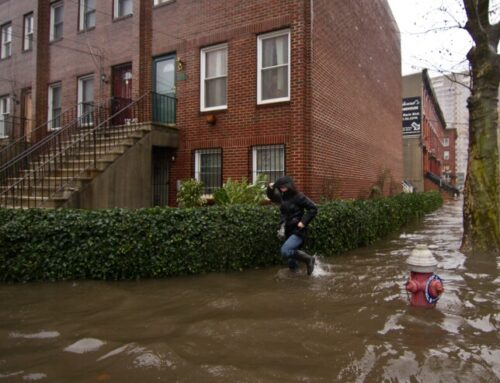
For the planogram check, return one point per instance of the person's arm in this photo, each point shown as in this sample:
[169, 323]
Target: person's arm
[311, 211]
[273, 194]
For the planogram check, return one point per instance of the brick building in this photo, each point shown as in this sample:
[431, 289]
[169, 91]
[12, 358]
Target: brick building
[428, 146]
[309, 88]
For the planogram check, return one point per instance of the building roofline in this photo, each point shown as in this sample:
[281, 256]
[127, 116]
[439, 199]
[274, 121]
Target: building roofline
[426, 80]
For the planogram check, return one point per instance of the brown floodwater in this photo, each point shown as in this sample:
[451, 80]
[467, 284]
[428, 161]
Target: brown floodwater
[349, 322]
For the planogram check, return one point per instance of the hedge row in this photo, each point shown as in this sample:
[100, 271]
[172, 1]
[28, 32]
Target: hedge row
[160, 242]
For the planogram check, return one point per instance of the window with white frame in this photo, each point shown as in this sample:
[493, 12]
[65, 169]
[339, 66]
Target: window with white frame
[213, 89]
[123, 8]
[86, 99]
[446, 142]
[4, 113]
[56, 21]
[268, 160]
[208, 169]
[28, 32]
[273, 67]
[6, 49]
[446, 155]
[55, 101]
[87, 14]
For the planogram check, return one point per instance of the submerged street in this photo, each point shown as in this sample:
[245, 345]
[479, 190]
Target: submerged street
[349, 322]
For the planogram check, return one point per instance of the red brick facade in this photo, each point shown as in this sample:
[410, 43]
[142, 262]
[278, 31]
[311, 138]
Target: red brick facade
[341, 127]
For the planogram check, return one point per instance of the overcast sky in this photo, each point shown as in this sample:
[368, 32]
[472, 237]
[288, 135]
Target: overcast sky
[429, 38]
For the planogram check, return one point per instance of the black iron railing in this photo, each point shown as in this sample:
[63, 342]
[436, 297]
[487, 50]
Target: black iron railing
[57, 163]
[164, 108]
[12, 127]
[442, 183]
[24, 138]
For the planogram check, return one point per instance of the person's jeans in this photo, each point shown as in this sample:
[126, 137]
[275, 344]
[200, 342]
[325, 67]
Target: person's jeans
[288, 250]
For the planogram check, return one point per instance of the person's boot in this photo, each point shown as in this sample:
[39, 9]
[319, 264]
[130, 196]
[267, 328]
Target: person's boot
[307, 259]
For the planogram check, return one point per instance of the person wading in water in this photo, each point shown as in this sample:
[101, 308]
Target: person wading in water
[296, 212]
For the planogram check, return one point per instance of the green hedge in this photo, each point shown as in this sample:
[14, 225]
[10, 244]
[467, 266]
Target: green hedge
[160, 242]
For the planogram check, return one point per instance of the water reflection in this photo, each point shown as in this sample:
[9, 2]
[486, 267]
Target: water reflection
[350, 322]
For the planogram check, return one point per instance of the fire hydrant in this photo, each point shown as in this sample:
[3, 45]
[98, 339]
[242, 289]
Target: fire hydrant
[425, 286]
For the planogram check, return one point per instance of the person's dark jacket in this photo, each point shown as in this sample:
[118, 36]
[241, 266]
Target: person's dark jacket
[294, 206]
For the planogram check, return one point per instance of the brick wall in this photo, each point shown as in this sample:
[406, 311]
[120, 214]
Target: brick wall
[244, 124]
[356, 98]
[341, 127]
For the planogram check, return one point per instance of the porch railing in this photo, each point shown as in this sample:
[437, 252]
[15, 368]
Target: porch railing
[71, 153]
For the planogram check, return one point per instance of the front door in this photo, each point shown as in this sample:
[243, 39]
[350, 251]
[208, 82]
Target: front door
[160, 175]
[164, 89]
[27, 114]
[122, 93]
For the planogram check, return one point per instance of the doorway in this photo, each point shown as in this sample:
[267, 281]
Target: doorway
[164, 89]
[27, 113]
[160, 175]
[122, 93]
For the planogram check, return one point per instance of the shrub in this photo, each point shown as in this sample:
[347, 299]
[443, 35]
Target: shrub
[241, 192]
[190, 194]
[115, 244]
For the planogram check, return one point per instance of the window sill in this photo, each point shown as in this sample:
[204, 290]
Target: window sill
[163, 4]
[27, 50]
[213, 111]
[120, 18]
[55, 40]
[5, 58]
[273, 104]
[81, 31]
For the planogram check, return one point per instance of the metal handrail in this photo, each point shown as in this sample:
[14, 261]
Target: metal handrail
[70, 159]
[20, 144]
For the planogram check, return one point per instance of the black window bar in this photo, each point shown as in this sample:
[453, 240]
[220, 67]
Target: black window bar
[268, 160]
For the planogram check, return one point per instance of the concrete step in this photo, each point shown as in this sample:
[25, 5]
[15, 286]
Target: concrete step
[29, 201]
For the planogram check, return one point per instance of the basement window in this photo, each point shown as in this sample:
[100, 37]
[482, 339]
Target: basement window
[268, 160]
[208, 169]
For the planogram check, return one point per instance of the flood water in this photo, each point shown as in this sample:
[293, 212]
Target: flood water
[349, 322]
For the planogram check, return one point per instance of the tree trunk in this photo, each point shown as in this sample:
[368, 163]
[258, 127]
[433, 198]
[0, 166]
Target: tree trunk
[482, 185]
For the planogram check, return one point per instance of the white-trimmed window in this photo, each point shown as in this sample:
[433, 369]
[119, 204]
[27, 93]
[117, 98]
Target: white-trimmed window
[446, 142]
[87, 14]
[56, 21]
[4, 113]
[86, 99]
[208, 169]
[6, 49]
[28, 32]
[213, 94]
[123, 8]
[446, 155]
[273, 67]
[55, 101]
[268, 160]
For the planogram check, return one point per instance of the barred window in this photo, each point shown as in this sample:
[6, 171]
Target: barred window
[208, 169]
[268, 160]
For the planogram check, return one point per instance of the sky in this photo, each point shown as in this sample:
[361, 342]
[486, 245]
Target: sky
[429, 36]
